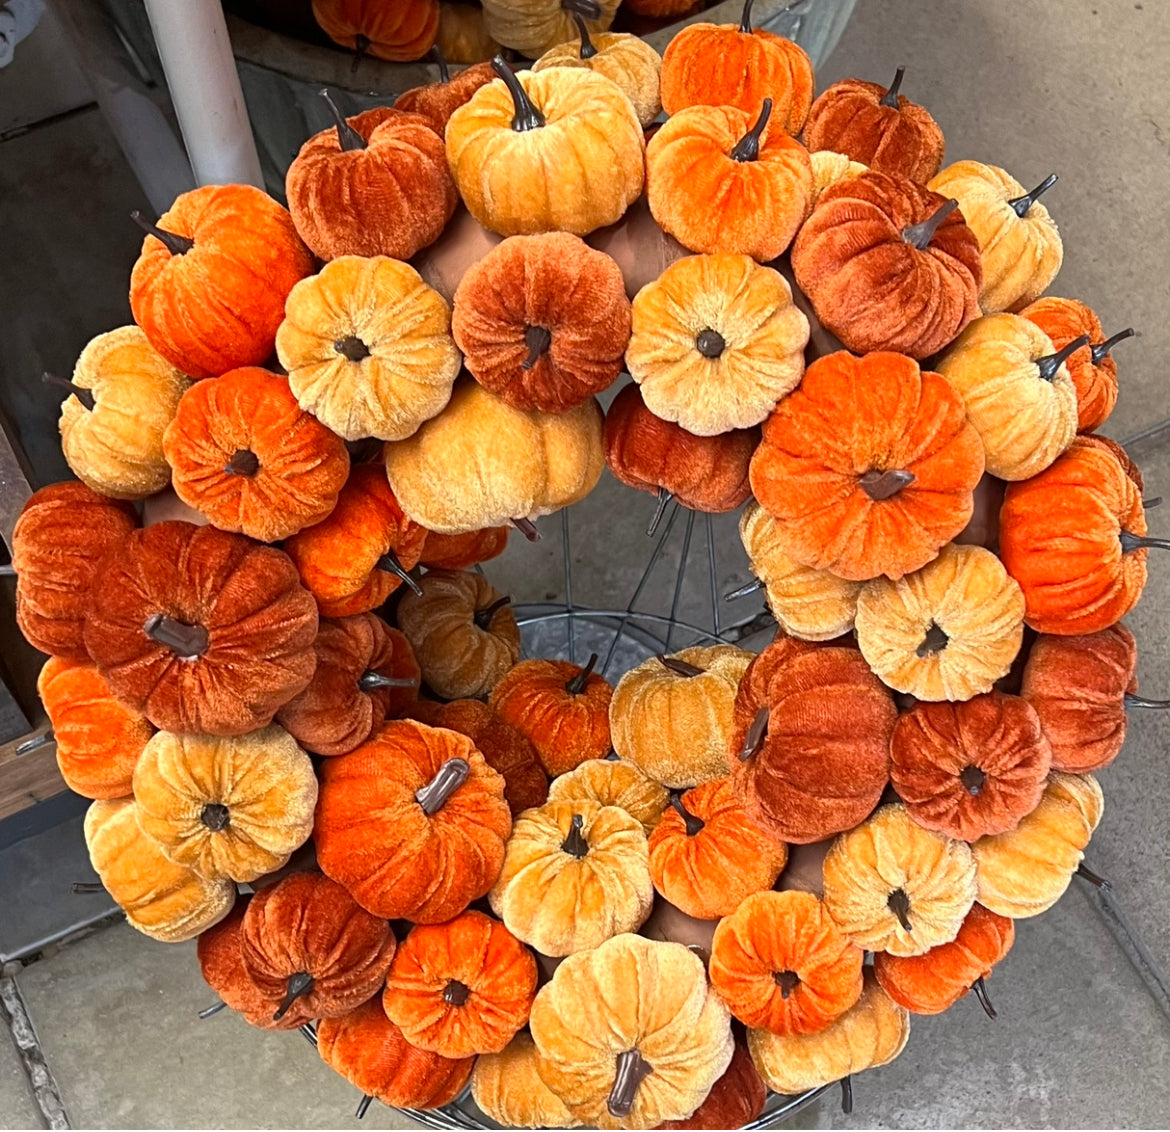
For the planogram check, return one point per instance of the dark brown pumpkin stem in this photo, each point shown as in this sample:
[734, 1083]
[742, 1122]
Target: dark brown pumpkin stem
[436, 53]
[483, 617]
[352, 348]
[215, 816]
[527, 528]
[347, 137]
[980, 989]
[1095, 879]
[710, 343]
[433, 796]
[847, 1094]
[664, 498]
[1150, 504]
[309, 1034]
[527, 117]
[632, 1070]
[744, 590]
[787, 981]
[1101, 351]
[1141, 702]
[175, 244]
[369, 680]
[456, 993]
[86, 888]
[244, 462]
[186, 641]
[919, 235]
[890, 98]
[538, 339]
[1049, 365]
[748, 147]
[756, 733]
[935, 640]
[679, 667]
[884, 485]
[589, 9]
[299, 984]
[576, 685]
[1022, 204]
[361, 44]
[588, 50]
[1131, 542]
[899, 903]
[211, 1011]
[745, 20]
[694, 824]
[392, 565]
[973, 777]
[364, 1106]
[575, 844]
[85, 396]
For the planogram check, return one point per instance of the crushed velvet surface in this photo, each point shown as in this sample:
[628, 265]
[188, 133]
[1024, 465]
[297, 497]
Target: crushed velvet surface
[463, 38]
[398, 32]
[221, 962]
[734, 1101]
[625, 59]
[509, 1088]
[533, 26]
[829, 167]
[462, 551]
[610, 782]
[436, 102]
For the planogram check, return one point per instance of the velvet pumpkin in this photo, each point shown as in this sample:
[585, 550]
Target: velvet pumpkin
[1131, 469]
[869, 467]
[716, 343]
[946, 632]
[160, 898]
[735, 1100]
[412, 822]
[200, 630]
[574, 875]
[610, 782]
[125, 394]
[508, 1087]
[246, 455]
[461, 552]
[893, 886]
[463, 36]
[62, 535]
[221, 963]
[397, 32]
[230, 253]
[630, 1034]
[1020, 248]
[368, 348]
[436, 102]
[672, 716]
[355, 558]
[720, 179]
[829, 167]
[532, 27]
[543, 321]
[888, 265]
[460, 988]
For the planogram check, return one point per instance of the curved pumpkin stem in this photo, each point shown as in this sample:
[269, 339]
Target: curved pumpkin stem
[890, 98]
[175, 244]
[899, 903]
[436, 53]
[1130, 542]
[85, 396]
[745, 589]
[434, 795]
[369, 680]
[361, 44]
[590, 9]
[745, 20]
[919, 235]
[391, 564]
[1095, 879]
[756, 733]
[483, 617]
[748, 147]
[980, 989]
[298, 984]
[309, 1034]
[664, 498]
[710, 343]
[347, 137]
[538, 339]
[1022, 204]
[527, 528]
[364, 1106]
[1150, 504]
[935, 640]
[588, 49]
[847, 1094]
[244, 462]
[632, 1070]
[527, 116]
[86, 888]
[189, 642]
[215, 816]
[1050, 364]
[577, 684]
[884, 485]
[211, 1011]
[1141, 702]
[679, 667]
[1101, 350]
[575, 843]
[694, 824]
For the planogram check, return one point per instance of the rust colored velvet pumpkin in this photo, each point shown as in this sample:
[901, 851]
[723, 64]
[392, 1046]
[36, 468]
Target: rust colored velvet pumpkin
[462, 630]
[934, 982]
[720, 179]
[735, 1100]
[461, 552]
[1073, 537]
[221, 963]
[200, 630]
[397, 32]
[869, 467]
[884, 235]
[877, 126]
[707, 855]
[229, 253]
[609, 782]
[543, 321]
[971, 768]
[246, 455]
[460, 988]
[412, 822]
[436, 102]
[781, 964]
[353, 560]
[63, 533]
[809, 742]
[508, 1087]
[561, 707]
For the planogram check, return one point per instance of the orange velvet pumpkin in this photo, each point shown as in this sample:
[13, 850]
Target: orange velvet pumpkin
[436, 102]
[200, 630]
[735, 1100]
[246, 455]
[888, 265]
[221, 962]
[869, 467]
[412, 822]
[209, 287]
[460, 988]
[63, 533]
[461, 552]
[398, 32]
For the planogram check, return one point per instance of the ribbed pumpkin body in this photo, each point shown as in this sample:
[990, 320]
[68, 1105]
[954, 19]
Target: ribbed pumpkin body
[436, 102]
[463, 36]
[396, 32]
[534, 26]
[628, 61]
[609, 782]
[508, 1087]
[735, 1100]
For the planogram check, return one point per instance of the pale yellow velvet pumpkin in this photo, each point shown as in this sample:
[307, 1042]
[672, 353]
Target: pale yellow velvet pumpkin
[829, 167]
[611, 782]
[508, 1087]
[533, 26]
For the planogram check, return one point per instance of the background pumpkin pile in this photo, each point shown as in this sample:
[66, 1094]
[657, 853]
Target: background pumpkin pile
[293, 655]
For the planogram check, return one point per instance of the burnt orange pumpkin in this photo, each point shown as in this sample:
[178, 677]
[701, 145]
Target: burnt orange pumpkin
[63, 533]
[221, 962]
[398, 32]
[461, 552]
[735, 1100]
[436, 102]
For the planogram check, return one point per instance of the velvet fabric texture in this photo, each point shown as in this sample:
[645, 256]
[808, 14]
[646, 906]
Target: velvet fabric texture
[631, 994]
[675, 725]
[1127, 465]
[63, 533]
[246, 455]
[368, 348]
[566, 724]
[344, 703]
[532, 27]
[1061, 538]
[436, 102]
[577, 171]
[508, 1087]
[461, 552]
[257, 620]
[116, 447]
[543, 321]
[830, 448]
[972, 768]
[400, 861]
[380, 187]
[396, 32]
[341, 559]
[713, 193]
[460, 988]
[782, 965]
[463, 37]
[946, 632]
[828, 168]
[735, 1100]
[216, 305]
[855, 246]
[822, 761]
[161, 899]
[609, 782]
[221, 963]
[707, 856]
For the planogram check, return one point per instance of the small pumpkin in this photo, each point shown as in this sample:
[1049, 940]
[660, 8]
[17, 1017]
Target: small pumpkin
[610, 782]
[574, 875]
[735, 1100]
[1019, 245]
[532, 27]
[368, 348]
[229, 252]
[436, 102]
[461, 552]
[556, 150]
[885, 235]
[672, 715]
[630, 1034]
[396, 32]
[946, 632]
[508, 1087]
[62, 535]
[221, 963]
[716, 343]
[160, 898]
[543, 321]
[463, 36]
[828, 168]
[893, 886]
[412, 822]
[460, 988]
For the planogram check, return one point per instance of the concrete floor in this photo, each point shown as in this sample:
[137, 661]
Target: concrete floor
[1075, 86]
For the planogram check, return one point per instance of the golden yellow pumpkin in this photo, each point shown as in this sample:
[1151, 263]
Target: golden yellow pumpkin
[829, 167]
[508, 1087]
[463, 36]
[533, 26]
[611, 782]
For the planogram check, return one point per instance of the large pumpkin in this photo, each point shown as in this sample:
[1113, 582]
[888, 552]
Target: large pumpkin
[735, 1100]
[534, 26]
[508, 1087]
[396, 32]
[610, 782]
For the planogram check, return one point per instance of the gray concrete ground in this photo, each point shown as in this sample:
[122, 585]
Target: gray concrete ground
[1076, 86]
